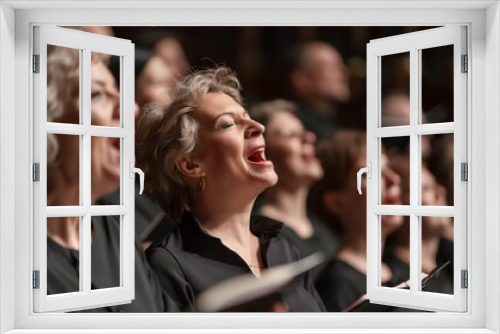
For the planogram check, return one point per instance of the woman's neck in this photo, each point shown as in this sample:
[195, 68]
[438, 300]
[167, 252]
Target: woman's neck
[430, 247]
[64, 190]
[353, 251]
[232, 227]
[290, 208]
[65, 231]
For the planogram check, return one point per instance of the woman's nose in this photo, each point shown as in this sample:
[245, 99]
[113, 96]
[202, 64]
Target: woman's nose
[254, 129]
[136, 110]
[391, 177]
[309, 137]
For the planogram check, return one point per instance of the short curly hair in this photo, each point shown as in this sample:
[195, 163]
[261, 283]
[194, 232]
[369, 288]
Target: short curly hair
[166, 133]
[63, 68]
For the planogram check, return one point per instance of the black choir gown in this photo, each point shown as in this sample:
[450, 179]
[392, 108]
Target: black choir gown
[63, 270]
[190, 261]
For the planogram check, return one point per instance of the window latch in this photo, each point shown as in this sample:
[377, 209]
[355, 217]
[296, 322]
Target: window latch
[368, 171]
[133, 170]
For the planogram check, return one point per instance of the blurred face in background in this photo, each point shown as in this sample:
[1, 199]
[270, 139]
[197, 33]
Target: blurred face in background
[105, 151]
[432, 194]
[155, 83]
[105, 107]
[390, 185]
[350, 206]
[170, 49]
[328, 75]
[291, 148]
[396, 112]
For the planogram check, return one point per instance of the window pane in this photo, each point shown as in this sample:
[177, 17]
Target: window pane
[395, 234]
[437, 249]
[104, 90]
[437, 170]
[395, 171]
[395, 77]
[437, 84]
[63, 170]
[105, 252]
[105, 170]
[63, 85]
[63, 255]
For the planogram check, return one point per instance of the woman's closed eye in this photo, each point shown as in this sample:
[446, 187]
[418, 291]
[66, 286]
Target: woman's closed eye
[227, 125]
[97, 96]
[224, 123]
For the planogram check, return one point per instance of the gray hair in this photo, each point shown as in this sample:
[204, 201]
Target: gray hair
[63, 66]
[166, 133]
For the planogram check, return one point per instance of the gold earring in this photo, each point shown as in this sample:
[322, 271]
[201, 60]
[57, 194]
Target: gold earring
[201, 183]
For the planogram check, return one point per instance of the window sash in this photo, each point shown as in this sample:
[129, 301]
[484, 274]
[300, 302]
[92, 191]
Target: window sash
[333, 14]
[413, 43]
[86, 297]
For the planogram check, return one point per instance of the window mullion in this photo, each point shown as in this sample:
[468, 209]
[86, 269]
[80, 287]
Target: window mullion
[414, 172]
[85, 167]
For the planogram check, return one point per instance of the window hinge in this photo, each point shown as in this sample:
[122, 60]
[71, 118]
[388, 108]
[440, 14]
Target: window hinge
[465, 64]
[465, 279]
[36, 279]
[36, 172]
[36, 63]
[464, 172]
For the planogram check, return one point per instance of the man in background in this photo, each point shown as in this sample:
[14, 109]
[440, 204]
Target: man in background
[320, 81]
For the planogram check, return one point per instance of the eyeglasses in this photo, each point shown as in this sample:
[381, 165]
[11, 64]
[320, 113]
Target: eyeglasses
[301, 135]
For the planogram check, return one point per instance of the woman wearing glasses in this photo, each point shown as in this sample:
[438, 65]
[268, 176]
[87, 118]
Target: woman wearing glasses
[291, 148]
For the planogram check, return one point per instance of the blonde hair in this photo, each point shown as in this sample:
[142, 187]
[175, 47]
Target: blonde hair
[63, 67]
[166, 133]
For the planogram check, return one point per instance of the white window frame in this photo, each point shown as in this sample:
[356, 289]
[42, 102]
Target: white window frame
[414, 44]
[86, 43]
[483, 21]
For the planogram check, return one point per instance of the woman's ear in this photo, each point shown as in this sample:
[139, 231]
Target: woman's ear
[332, 201]
[187, 166]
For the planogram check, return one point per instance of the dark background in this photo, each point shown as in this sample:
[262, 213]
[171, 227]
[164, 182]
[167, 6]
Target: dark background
[257, 55]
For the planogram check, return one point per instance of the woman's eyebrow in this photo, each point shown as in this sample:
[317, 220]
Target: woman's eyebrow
[98, 82]
[232, 113]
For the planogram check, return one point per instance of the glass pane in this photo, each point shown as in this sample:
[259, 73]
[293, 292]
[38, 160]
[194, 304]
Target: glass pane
[395, 171]
[437, 249]
[395, 77]
[63, 170]
[105, 170]
[63, 255]
[437, 169]
[105, 252]
[63, 85]
[395, 234]
[105, 93]
[437, 84]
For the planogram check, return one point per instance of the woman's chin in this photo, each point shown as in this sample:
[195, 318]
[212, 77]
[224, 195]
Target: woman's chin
[267, 180]
[392, 223]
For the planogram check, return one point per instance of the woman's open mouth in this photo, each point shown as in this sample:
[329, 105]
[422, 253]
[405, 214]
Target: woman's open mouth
[115, 147]
[258, 157]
